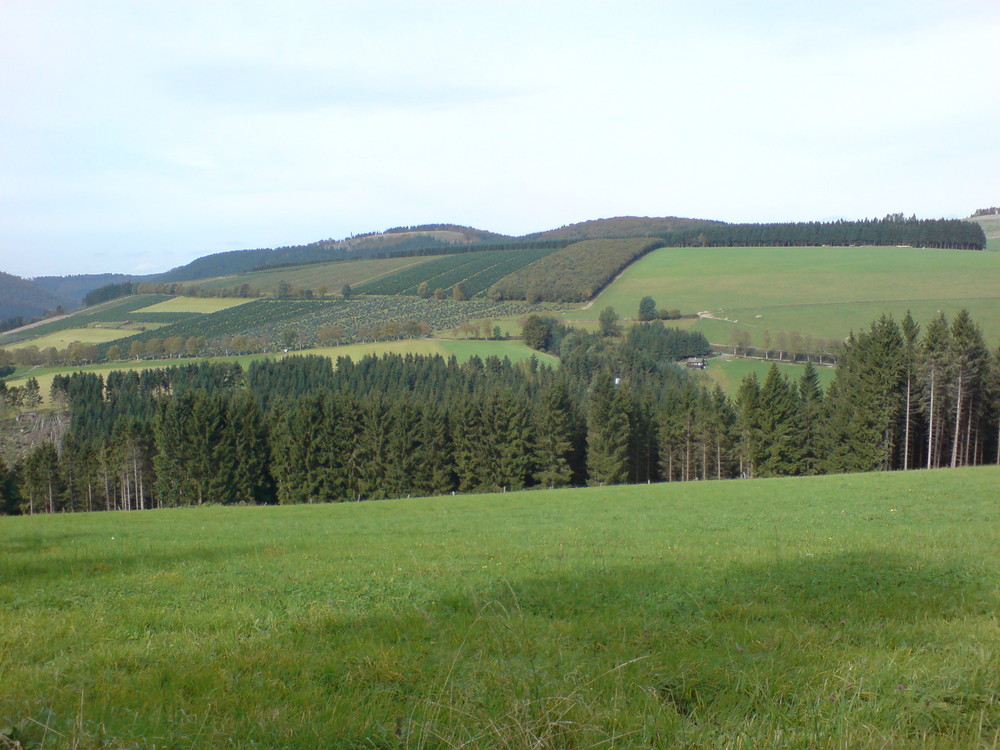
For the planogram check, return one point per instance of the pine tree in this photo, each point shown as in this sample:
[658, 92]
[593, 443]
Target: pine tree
[810, 417]
[780, 441]
[42, 483]
[911, 336]
[866, 402]
[555, 428]
[969, 360]
[608, 432]
[936, 372]
[748, 425]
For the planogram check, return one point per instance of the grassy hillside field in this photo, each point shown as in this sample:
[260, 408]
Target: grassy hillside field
[819, 291]
[842, 611]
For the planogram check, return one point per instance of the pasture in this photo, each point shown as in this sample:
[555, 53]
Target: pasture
[728, 371]
[202, 305]
[315, 275]
[824, 292]
[843, 611]
[63, 338]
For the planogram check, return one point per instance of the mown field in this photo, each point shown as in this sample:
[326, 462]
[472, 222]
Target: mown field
[203, 305]
[819, 291]
[315, 275]
[844, 611]
[728, 371]
[113, 311]
[65, 337]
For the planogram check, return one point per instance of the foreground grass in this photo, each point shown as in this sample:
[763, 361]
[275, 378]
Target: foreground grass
[846, 611]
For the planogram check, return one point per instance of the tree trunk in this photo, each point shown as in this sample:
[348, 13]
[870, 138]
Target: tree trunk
[958, 424]
[930, 427]
[906, 429]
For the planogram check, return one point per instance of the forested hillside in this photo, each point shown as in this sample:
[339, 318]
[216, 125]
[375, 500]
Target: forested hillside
[75, 288]
[24, 299]
[616, 411]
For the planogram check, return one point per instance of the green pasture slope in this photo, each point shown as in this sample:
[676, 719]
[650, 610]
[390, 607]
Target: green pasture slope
[854, 611]
[818, 291]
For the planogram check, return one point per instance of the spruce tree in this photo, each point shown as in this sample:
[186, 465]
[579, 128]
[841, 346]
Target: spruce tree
[780, 441]
[748, 425]
[810, 420]
[608, 432]
[936, 372]
[911, 341]
[969, 360]
[555, 428]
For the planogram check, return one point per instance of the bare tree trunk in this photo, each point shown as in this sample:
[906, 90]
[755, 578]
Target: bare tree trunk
[958, 424]
[966, 458]
[906, 429]
[930, 427]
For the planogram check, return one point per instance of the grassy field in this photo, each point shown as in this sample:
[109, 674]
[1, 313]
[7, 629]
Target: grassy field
[729, 371]
[463, 350]
[835, 612]
[313, 276]
[819, 291]
[61, 339]
[193, 305]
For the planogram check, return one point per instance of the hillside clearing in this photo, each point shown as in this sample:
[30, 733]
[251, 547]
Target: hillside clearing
[842, 611]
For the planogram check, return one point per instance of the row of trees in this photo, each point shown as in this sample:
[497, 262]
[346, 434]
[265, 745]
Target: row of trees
[301, 430]
[894, 229]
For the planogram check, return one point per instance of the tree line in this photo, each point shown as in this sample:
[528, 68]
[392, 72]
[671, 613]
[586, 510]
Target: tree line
[617, 410]
[894, 229]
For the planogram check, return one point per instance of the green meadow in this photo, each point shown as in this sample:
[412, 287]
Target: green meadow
[203, 305]
[62, 339]
[824, 292]
[856, 611]
[728, 372]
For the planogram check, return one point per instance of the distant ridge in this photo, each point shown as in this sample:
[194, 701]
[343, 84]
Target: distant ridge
[20, 297]
[620, 226]
[443, 239]
[75, 288]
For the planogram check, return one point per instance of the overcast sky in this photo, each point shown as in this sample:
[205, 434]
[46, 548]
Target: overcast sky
[138, 135]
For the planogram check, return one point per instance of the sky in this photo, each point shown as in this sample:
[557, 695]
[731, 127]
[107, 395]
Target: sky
[138, 135]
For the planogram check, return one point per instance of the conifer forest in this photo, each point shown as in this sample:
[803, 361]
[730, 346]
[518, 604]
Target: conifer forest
[618, 409]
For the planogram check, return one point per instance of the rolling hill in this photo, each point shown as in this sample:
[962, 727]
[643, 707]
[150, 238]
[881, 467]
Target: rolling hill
[20, 297]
